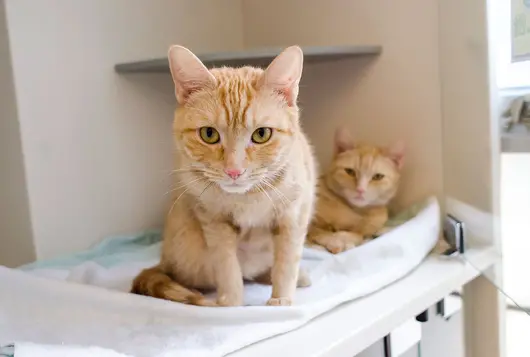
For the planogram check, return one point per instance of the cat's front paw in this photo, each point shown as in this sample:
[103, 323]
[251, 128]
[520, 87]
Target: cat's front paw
[337, 246]
[282, 301]
[342, 241]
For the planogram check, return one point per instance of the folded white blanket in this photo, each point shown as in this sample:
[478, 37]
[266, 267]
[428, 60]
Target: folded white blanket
[61, 311]
[35, 350]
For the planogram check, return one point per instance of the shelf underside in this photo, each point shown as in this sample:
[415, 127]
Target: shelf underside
[258, 57]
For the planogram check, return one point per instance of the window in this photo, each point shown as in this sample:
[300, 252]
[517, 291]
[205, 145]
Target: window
[509, 74]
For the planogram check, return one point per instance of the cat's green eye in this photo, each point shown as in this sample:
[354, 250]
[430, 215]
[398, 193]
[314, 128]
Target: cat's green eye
[378, 177]
[350, 172]
[209, 135]
[261, 135]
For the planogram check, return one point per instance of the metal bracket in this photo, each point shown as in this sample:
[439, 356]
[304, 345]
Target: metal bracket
[454, 234]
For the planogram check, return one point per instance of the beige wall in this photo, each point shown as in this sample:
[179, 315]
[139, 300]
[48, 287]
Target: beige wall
[97, 145]
[16, 241]
[396, 96]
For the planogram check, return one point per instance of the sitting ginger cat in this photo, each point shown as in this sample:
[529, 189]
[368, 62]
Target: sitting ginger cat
[352, 195]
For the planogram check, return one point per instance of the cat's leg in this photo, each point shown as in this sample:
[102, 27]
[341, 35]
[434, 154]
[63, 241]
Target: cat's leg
[284, 274]
[289, 240]
[221, 241]
[304, 280]
[335, 242]
[344, 240]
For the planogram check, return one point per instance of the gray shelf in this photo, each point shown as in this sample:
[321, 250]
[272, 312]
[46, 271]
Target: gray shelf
[516, 140]
[258, 57]
[515, 143]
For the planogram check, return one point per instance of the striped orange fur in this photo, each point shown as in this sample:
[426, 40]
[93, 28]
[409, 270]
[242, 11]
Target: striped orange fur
[353, 194]
[246, 199]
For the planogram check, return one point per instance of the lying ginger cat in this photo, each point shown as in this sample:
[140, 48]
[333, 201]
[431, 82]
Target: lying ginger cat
[353, 194]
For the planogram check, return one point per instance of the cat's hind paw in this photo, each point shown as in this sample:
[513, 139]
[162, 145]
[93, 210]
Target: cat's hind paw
[304, 280]
[230, 300]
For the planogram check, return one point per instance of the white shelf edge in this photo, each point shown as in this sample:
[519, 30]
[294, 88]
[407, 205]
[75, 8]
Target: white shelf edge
[352, 327]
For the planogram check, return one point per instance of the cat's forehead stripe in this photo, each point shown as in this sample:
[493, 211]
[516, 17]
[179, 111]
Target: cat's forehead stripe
[236, 89]
[223, 98]
[367, 157]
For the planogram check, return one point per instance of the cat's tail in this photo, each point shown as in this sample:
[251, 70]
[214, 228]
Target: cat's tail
[154, 282]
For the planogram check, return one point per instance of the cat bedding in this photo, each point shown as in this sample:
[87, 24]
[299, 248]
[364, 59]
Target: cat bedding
[68, 306]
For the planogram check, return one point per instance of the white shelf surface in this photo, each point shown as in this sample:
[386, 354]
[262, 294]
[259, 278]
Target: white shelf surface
[257, 57]
[353, 327]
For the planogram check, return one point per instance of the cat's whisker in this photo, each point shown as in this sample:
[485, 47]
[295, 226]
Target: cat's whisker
[181, 175]
[207, 187]
[186, 184]
[255, 174]
[182, 170]
[282, 200]
[280, 194]
[212, 173]
[173, 184]
[178, 198]
[203, 191]
[261, 189]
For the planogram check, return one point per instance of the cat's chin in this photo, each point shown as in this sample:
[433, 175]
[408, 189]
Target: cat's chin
[362, 203]
[232, 188]
[357, 201]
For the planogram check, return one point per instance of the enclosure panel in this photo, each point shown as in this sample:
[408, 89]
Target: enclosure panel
[16, 239]
[471, 151]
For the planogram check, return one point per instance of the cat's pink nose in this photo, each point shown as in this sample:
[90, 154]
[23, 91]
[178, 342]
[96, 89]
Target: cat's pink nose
[360, 191]
[233, 173]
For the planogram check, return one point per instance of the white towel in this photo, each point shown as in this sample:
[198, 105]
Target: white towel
[34, 350]
[57, 312]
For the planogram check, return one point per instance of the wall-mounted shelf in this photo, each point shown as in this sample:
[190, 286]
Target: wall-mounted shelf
[516, 140]
[515, 143]
[257, 57]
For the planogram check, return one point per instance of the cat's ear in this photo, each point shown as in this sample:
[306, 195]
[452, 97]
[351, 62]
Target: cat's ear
[188, 72]
[397, 153]
[343, 140]
[284, 73]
